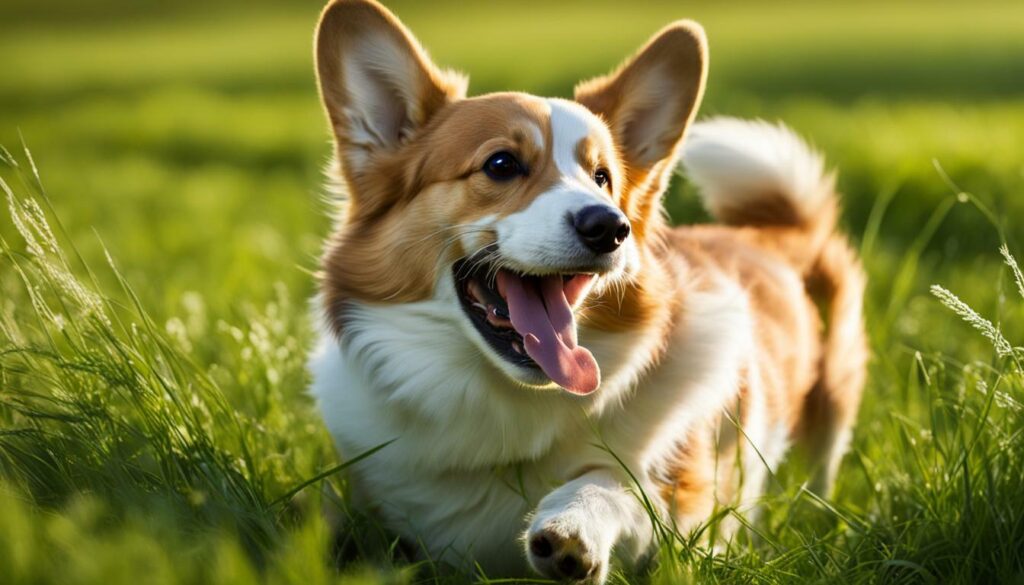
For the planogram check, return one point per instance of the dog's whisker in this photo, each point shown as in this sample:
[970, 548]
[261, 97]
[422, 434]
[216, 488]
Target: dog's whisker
[466, 230]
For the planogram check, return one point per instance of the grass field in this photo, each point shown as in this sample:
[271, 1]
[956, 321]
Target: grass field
[153, 290]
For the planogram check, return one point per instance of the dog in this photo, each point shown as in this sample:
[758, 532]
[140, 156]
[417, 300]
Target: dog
[553, 368]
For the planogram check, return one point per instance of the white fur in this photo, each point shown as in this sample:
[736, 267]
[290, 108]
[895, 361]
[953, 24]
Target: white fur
[570, 123]
[541, 238]
[537, 135]
[566, 518]
[468, 437]
[735, 162]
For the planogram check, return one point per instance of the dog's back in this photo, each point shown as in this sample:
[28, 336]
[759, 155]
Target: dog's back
[805, 288]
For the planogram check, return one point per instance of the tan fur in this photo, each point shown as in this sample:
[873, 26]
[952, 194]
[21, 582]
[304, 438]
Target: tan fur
[690, 490]
[830, 409]
[810, 378]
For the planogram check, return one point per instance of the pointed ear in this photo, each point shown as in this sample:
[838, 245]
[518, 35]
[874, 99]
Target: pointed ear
[651, 99]
[376, 82]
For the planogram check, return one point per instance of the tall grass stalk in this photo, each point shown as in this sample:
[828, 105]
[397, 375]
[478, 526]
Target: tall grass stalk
[97, 398]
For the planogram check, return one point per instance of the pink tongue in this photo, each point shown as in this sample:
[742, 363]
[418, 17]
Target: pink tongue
[544, 319]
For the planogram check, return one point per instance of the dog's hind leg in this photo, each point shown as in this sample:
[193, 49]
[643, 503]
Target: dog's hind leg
[763, 176]
[830, 409]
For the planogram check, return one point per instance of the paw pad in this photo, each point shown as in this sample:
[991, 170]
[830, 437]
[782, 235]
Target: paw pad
[561, 558]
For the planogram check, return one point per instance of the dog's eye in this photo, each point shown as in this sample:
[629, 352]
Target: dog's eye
[503, 166]
[602, 178]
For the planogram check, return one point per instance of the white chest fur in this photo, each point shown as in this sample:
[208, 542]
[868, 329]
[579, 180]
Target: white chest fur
[475, 452]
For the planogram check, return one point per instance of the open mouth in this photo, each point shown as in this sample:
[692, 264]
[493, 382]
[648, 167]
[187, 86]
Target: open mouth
[528, 320]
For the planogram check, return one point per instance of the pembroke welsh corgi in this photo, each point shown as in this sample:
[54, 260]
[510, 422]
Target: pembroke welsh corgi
[504, 301]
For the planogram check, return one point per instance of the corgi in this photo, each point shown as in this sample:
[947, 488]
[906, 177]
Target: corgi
[504, 304]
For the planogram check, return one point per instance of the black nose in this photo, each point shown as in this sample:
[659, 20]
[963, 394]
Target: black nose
[601, 228]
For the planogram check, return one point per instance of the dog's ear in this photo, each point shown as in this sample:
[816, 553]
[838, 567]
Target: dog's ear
[651, 99]
[376, 82]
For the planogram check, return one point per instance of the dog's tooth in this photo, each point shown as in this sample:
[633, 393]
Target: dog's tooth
[473, 288]
[480, 306]
[495, 318]
[518, 347]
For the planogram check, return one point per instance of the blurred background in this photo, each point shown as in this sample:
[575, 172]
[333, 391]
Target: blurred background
[191, 130]
[187, 138]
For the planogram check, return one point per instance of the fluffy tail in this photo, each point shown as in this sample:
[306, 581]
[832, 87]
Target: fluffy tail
[756, 173]
[761, 175]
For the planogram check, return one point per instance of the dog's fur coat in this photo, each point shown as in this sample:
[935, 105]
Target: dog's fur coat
[696, 330]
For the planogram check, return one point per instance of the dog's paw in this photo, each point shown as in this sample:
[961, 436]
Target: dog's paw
[562, 548]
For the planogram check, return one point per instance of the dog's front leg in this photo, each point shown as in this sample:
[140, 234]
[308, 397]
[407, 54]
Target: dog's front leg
[575, 528]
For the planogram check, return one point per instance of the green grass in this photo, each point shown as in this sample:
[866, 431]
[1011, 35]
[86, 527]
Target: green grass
[152, 408]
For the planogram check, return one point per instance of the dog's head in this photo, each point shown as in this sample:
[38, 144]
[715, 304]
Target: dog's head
[521, 211]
